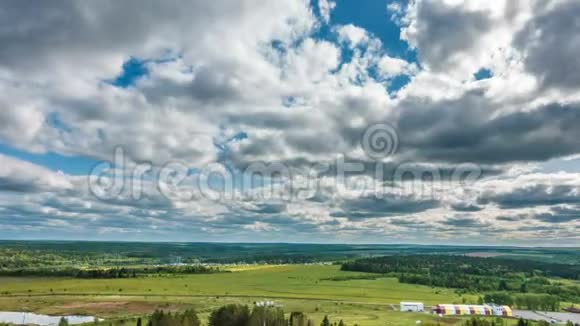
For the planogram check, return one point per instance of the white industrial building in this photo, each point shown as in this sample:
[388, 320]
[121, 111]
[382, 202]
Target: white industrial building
[412, 306]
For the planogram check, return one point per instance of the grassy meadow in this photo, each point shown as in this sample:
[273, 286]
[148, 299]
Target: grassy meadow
[317, 290]
[53, 277]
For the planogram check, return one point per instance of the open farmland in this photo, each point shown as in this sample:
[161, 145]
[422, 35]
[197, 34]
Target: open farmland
[315, 289]
[312, 282]
[124, 281]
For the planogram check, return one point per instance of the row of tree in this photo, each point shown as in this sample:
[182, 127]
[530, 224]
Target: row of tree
[477, 274]
[110, 273]
[455, 264]
[501, 322]
[235, 315]
[529, 301]
[476, 321]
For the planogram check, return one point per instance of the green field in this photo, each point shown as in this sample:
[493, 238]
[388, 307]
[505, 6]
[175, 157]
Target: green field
[296, 287]
[45, 277]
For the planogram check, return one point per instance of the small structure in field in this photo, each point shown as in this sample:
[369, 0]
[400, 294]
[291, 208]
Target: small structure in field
[412, 306]
[267, 304]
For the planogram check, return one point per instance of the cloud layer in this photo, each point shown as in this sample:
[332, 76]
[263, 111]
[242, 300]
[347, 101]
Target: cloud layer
[228, 85]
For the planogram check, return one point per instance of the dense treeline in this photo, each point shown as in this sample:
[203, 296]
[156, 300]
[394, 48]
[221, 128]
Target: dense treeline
[529, 301]
[454, 265]
[110, 273]
[20, 259]
[528, 279]
[500, 322]
[29, 254]
[161, 318]
[477, 321]
[236, 315]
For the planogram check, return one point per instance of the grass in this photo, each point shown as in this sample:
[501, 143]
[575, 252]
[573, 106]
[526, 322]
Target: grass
[315, 289]
[291, 281]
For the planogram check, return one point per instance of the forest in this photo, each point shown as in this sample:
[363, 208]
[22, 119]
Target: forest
[29, 254]
[109, 272]
[523, 283]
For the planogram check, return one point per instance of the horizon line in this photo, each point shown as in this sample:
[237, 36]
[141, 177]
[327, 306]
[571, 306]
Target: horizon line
[297, 243]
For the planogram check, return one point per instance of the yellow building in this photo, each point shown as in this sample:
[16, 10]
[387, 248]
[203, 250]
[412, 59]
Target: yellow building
[479, 310]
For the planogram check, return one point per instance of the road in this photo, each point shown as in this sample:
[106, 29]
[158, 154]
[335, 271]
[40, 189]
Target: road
[551, 317]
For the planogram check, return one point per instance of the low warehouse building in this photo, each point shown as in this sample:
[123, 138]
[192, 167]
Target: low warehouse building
[412, 306]
[479, 310]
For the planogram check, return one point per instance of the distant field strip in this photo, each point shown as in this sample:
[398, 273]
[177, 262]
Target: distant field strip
[291, 282]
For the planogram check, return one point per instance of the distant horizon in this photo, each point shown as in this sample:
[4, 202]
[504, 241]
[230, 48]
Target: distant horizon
[295, 243]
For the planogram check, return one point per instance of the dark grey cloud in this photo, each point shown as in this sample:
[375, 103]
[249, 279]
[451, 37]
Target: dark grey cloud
[511, 218]
[469, 228]
[213, 86]
[466, 207]
[445, 30]
[269, 208]
[15, 185]
[410, 223]
[532, 196]
[279, 222]
[372, 207]
[465, 222]
[31, 32]
[560, 215]
[465, 131]
[23, 177]
[551, 43]
[210, 85]
[27, 221]
[414, 169]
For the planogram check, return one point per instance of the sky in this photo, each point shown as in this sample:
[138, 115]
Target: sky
[382, 121]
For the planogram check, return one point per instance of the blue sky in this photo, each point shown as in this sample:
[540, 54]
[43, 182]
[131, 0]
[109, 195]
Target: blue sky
[75, 165]
[192, 93]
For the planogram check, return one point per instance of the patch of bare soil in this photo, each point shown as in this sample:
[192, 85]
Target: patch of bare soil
[114, 308]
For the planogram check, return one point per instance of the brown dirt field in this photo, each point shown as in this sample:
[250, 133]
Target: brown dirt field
[114, 308]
